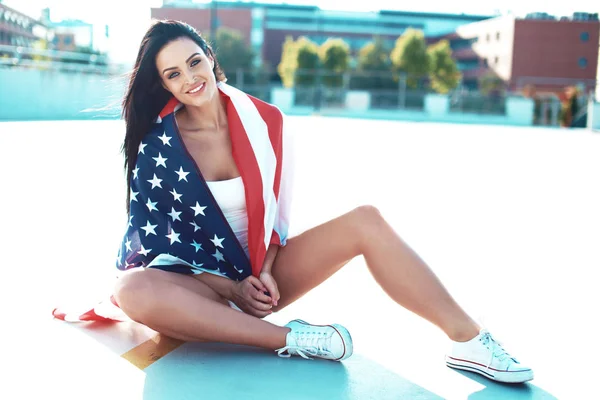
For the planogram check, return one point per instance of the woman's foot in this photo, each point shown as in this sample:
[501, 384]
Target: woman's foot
[487, 357]
[330, 342]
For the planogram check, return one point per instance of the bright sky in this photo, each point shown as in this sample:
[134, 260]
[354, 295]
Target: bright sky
[128, 19]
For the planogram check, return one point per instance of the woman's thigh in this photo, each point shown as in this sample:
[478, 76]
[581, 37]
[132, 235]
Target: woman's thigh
[186, 281]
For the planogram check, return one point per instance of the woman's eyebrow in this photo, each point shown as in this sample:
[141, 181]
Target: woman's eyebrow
[189, 58]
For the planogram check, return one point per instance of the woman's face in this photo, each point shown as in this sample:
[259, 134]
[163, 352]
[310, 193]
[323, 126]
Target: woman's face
[186, 72]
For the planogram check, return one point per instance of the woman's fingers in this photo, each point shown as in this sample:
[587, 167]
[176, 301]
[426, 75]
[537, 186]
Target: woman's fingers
[256, 283]
[260, 296]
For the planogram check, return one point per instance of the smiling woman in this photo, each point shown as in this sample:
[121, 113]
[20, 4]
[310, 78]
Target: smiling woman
[209, 172]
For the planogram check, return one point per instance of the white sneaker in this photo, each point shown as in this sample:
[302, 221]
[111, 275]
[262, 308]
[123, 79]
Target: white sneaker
[487, 357]
[331, 342]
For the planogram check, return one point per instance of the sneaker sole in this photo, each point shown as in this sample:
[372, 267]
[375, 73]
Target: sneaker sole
[495, 375]
[344, 334]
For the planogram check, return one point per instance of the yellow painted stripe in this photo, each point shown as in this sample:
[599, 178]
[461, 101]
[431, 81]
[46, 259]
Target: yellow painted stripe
[151, 350]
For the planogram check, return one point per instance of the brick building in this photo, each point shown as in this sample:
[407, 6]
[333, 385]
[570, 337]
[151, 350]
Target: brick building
[545, 52]
[265, 26]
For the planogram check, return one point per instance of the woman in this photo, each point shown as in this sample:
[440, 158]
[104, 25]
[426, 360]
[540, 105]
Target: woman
[208, 171]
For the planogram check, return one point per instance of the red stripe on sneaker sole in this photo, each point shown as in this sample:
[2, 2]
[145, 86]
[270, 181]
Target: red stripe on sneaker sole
[481, 365]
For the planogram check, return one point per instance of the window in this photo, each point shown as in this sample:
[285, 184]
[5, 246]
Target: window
[496, 60]
[584, 36]
[583, 62]
[485, 63]
[487, 37]
[497, 35]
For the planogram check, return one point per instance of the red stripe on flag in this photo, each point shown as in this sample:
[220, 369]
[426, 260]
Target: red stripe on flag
[93, 316]
[248, 167]
[169, 107]
[58, 314]
[274, 120]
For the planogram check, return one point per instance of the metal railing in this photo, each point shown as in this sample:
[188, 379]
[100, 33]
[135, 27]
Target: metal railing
[66, 61]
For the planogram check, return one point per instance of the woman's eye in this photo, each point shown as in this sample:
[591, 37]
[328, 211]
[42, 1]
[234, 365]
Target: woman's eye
[173, 75]
[194, 62]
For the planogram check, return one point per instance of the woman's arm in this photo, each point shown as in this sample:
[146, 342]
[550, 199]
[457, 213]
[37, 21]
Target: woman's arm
[270, 258]
[221, 285]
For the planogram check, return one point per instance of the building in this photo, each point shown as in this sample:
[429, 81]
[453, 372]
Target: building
[539, 50]
[265, 26]
[18, 29]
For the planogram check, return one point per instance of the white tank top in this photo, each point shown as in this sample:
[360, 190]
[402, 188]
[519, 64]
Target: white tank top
[231, 197]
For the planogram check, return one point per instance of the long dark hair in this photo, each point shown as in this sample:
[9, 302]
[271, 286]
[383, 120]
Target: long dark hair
[146, 96]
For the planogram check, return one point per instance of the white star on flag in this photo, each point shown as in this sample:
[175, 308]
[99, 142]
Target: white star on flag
[149, 228]
[217, 241]
[133, 195]
[197, 265]
[238, 270]
[174, 237]
[174, 214]
[141, 148]
[128, 245]
[182, 174]
[197, 246]
[198, 209]
[143, 251]
[130, 218]
[155, 182]
[160, 160]
[165, 139]
[195, 225]
[151, 205]
[176, 196]
[135, 172]
[219, 256]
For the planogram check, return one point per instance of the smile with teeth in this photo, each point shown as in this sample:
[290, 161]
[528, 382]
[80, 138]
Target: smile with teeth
[197, 89]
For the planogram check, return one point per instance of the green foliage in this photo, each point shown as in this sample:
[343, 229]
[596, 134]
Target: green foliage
[335, 59]
[410, 56]
[444, 73]
[374, 60]
[289, 62]
[232, 51]
[490, 83]
[308, 61]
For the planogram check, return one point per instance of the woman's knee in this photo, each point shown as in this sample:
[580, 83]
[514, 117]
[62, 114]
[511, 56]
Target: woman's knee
[367, 215]
[134, 293]
[367, 221]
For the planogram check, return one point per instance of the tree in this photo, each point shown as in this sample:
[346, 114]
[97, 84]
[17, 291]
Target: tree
[410, 56]
[444, 73]
[289, 62]
[374, 61]
[232, 52]
[299, 62]
[335, 58]
[308, 61]
[491, 84]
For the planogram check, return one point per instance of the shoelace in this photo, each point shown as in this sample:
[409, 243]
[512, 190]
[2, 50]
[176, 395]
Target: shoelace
[495, 347]
[311, 343]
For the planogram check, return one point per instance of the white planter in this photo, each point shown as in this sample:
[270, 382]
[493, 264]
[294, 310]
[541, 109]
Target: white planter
[358, 100]
[283, 98]
[437, 105]
[519, 110]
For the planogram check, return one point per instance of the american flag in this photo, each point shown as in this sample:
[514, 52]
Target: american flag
[174, 222]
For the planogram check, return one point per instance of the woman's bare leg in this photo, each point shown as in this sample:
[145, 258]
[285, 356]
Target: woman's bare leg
[185, 308]
[310, 258]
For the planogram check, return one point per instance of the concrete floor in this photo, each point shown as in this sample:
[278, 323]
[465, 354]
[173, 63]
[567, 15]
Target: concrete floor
[509, 219]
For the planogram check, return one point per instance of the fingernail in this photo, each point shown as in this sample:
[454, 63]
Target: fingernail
[275, 302]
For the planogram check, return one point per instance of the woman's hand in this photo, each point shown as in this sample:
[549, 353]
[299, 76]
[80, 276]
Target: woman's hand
[269, 282]
[249, 295]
